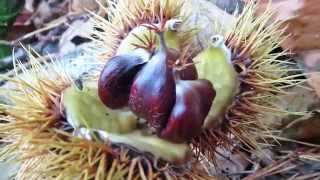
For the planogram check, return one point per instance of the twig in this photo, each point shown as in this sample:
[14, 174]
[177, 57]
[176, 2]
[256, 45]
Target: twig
[27, 65]
[292, 140]
[31, 34]
[274, 168]
[55, 23]
[309, 176]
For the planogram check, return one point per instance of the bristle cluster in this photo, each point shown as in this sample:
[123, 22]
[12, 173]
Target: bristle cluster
[263, 78]
[126, 15]
[59, 155]
[34, 95]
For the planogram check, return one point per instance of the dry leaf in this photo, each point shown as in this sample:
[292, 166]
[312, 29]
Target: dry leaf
[29, 5]
[78, 29]
[81, 6]
[20, 27]
[230, 164]
[203, 15]
[48, 11]
[230, 5]
[302, 20]
[312, 63]
[315, 82]
[304, 129]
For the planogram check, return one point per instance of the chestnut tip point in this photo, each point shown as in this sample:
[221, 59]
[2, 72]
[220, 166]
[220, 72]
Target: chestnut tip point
[216, 41]
[78, 84]
[170, 25]
[173, 24]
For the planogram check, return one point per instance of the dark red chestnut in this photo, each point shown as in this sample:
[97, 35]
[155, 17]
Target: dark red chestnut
[152, 93]
[193, 101]
[116, 78]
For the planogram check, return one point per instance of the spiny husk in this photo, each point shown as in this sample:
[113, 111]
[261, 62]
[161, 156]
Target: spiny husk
[291, 165]
[34, 96]
[36, 135]
[82, 159]
[263, 77]
[125, 15]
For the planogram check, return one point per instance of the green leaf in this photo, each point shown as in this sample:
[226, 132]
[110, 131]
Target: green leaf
[5, 50]
[9, 9]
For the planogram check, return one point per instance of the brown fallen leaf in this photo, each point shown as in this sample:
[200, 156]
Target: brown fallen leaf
[206, 16]
[315, 82]
[311, 59]
[29, 5]
[304, 129]
[301, 17]
[49, 10]
[312, 63]
[78, 31]
[82, 6]
[20, 27]
[297, 99]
